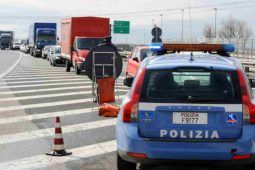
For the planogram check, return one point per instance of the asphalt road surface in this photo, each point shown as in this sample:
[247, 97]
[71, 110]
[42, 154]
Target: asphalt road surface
[31, 96]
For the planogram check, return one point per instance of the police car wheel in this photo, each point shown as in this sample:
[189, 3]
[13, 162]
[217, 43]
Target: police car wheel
[124, 165]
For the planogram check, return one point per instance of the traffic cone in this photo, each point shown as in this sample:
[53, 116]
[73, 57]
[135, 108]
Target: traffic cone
[58, 143]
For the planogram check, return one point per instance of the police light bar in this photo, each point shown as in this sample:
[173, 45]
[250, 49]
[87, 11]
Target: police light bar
[199, 47]
[156, 47]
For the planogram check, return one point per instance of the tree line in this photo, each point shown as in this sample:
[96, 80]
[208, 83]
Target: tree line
[231, 28]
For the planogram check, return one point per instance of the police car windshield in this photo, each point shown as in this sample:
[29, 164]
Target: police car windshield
[191, 86]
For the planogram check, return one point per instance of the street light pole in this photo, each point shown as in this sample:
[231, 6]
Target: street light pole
[182, 21]
[144, 38]
[215, 23]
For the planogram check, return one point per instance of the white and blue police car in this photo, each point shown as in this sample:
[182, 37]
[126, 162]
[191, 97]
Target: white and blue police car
[193, 102]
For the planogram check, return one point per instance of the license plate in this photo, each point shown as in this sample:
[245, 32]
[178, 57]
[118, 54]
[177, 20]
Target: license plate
[190, 118]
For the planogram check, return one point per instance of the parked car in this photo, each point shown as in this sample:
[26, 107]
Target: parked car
[23, 47]
[16, 46]
[45, 51]
[55, 56]
[138, 54]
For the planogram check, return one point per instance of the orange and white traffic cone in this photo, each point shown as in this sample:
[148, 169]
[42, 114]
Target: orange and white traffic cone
[58, 143]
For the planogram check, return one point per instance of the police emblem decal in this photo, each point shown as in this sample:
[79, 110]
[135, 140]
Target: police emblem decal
[232, 119]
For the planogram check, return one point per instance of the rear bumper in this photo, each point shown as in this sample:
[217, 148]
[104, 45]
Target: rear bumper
[38, 52]
[128, 140]
[60, 60]
[124, 155]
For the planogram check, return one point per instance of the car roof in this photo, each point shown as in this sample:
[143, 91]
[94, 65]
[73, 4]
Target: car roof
[197, 60]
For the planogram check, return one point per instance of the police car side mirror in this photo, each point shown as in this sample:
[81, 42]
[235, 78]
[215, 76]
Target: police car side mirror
[128, 81]
[252, 82]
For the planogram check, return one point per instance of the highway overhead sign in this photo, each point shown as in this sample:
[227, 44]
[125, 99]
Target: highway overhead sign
[121, 27]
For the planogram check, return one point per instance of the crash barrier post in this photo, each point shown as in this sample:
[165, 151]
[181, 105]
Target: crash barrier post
[58, 142]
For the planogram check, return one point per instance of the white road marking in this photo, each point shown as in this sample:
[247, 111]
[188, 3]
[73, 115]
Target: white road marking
[20, 74]
[40, 105]
[41, 85]
[44, 90]
[42, 81]
[12, 67]
[51, 95]
[36, 116]
[49, 84]
[42, 161]
[51, 89]
[39, 78]
[38, 75]
[42, 133]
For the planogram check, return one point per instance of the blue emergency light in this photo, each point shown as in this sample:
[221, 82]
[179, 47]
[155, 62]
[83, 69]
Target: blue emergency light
[229, 48]
[155, 47]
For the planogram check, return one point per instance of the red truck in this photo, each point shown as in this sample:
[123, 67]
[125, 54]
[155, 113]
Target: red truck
[78, 36]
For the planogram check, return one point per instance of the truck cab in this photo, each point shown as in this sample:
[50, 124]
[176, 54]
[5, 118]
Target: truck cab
[6, 40]
[81, 48]
[44, 36]
[78, 36]
[40, 35]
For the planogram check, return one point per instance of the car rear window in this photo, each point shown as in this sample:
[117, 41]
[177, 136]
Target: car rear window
[191, 85]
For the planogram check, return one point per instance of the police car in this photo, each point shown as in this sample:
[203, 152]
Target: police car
[193, 103]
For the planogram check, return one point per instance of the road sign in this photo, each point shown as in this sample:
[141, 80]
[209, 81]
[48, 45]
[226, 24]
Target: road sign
[121, 27]
[156, 40]
[156, 33]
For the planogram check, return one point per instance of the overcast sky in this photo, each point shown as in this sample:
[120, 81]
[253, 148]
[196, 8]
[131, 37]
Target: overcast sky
[17, 15]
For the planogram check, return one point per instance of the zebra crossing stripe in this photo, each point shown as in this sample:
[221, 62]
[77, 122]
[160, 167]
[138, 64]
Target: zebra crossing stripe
[43, 161]
[50, 95]
[38, 75]
[41, 85]
[42, 77]
[42, 133]
[43, 90]
[49, 84]
[49, 90]
[37, 116]
[40, 105]
[42, 81]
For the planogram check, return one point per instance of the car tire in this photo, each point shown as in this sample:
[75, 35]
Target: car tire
[124, 165]
[77, 70]
[68, 67]
[53, 63]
